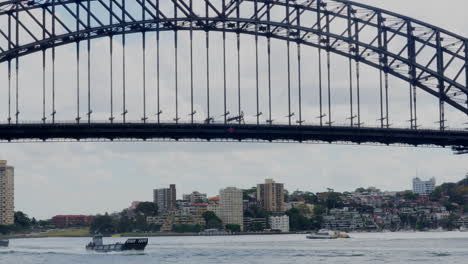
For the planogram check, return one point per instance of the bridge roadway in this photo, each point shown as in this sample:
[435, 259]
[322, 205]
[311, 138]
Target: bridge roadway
[233, 132]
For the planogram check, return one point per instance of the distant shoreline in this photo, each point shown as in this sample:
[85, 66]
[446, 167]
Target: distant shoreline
[70, 234]
[24, 236]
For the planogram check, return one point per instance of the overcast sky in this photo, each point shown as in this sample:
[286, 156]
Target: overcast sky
[90, 178]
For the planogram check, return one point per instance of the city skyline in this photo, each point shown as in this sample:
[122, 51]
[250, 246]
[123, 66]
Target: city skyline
[209, 196]
[331, 179]
[77, 173]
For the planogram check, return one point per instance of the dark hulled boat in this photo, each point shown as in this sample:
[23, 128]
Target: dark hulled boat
[97, 244]
[4, 243]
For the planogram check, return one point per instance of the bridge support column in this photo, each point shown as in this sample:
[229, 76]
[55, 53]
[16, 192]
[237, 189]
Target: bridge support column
[441, 86]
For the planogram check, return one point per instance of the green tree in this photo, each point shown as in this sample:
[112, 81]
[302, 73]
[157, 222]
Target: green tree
[154, 228]
[233, 228]
[147, 209]
[248, 192]
[7, 229]
[298, 222]
[255, 227]
[103, 224]
[451, 192]
[22, 220]
[451, 222]
[308, 197]
[140, 223]
[319, 210]
[256, 212]
[360, 190]
[45, 223]
[409, 195]
[212, 221]
[333, 200]
[316, 222]
[124, 224]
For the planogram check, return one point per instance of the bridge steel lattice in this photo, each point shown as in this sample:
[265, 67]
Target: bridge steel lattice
[426, 57]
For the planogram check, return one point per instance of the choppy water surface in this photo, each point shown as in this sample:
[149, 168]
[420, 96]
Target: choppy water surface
[427, 248]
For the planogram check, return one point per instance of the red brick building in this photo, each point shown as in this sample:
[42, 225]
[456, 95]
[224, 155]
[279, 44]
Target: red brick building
[62, 221]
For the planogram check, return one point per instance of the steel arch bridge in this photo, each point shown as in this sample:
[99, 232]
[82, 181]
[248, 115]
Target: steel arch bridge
[430, 60]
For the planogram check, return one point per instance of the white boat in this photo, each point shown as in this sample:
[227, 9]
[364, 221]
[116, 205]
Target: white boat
[439, 229]
[463, 229]
[327, 234]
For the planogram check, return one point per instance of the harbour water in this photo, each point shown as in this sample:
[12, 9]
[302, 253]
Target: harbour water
[427, 248]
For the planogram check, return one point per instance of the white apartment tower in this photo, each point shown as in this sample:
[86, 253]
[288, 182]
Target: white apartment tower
[231, 206]
[423, 187]
[279, 223]
[7, 194]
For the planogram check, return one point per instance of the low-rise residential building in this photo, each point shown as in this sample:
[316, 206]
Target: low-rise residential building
[195, 197]
[255, 224]
[63, 221]
[279, 223]
[214, 206]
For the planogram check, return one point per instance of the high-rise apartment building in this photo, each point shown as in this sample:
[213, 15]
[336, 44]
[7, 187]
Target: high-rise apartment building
[270, 195]
[7, 194]
[231, 209]
[165, 198]
[423, 187]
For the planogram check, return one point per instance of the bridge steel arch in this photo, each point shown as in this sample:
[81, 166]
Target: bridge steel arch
[405, 63]
[425, 56]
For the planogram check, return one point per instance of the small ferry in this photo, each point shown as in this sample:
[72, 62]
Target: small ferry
[4, 243]
[97, 244]
[327, 234]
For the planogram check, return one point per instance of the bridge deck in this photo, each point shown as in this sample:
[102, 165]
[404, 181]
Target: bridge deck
[304, 133]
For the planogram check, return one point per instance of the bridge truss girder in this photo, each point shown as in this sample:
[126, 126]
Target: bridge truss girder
[232, 132]
[425, 56]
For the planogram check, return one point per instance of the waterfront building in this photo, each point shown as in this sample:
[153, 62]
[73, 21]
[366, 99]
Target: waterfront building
[157, 220]
[7, 194]
[177, 217]
[165, 198]
[195, 197]
[63, 221]
[248, 204]
[255, 224]
[231, 209]
[279, 223]
[165, 220]
[214, 206]
[423, 187]
[270, 195]
[343, 219]
[196, 211]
